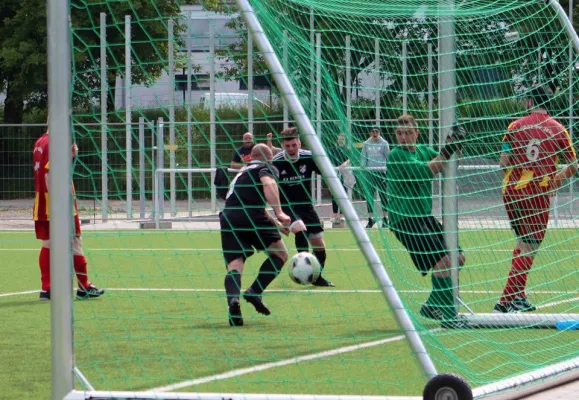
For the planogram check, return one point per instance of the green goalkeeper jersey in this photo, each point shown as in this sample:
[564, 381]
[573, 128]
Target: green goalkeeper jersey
[409, 183]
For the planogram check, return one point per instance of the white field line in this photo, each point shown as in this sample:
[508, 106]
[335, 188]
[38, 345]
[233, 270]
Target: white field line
[556, 303]
[281, 363]
[306, 291]
[290, 361]
[18, 293]
[295, 360]
[148, 249]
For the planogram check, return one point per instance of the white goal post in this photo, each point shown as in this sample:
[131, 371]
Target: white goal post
[61, 257]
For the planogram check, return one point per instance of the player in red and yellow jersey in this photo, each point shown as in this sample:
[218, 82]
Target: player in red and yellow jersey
[41, 215]
[530, 157]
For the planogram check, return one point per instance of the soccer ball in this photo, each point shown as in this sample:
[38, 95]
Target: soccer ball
[304, 268]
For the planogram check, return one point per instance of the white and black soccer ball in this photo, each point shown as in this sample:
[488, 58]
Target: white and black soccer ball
[304, 268]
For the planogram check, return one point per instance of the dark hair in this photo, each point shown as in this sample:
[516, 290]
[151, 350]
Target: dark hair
[289, 134]
[541, 96]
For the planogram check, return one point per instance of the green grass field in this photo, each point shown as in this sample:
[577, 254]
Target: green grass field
[163, 320]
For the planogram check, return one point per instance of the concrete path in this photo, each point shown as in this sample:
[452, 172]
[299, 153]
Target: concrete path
[569, 391]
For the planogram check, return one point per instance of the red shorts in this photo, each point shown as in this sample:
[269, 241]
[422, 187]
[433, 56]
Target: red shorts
[528, 214]
[42, 228]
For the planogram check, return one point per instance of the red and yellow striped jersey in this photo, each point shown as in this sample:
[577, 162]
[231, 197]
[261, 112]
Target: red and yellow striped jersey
[41, 163]
[534, 143]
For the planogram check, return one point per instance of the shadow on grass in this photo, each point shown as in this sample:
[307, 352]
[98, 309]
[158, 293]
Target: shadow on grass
[22, 303]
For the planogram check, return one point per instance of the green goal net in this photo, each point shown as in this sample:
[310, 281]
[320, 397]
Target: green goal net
[164, 92]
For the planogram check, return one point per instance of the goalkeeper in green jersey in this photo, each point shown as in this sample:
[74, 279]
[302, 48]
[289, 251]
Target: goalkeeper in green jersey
[411, 170]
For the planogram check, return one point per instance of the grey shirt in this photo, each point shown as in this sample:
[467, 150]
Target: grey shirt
[375, 154]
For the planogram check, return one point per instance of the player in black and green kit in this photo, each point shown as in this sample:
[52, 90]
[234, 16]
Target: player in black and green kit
[411, 169]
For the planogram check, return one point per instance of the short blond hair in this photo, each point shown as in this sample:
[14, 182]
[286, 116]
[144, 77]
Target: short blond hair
[407, 120]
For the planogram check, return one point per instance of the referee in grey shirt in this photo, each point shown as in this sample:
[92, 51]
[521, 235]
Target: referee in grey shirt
[375, 154]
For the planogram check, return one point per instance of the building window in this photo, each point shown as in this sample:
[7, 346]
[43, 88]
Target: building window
[260, 82]
[199, 28]
[198, 82]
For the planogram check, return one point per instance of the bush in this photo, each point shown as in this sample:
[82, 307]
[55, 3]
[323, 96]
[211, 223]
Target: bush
[485, 120]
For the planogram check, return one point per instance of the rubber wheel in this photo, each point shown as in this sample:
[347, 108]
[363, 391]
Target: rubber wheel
[447, 387]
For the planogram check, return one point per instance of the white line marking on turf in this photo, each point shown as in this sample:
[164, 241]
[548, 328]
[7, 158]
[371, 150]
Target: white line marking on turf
[148, 249]
[556, 303]
[282, 363]
[321, 291]
[269, 290]
[18, 293]
[306, 291]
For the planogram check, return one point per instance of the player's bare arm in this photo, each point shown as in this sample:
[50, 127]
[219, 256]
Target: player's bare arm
[565, 173]
[269, 144]
[345, 164]
[505, 160]
[236, 165]
[271, 193]
[283, 229]
[436, 164]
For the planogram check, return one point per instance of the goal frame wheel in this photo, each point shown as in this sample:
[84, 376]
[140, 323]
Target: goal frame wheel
[447, 387]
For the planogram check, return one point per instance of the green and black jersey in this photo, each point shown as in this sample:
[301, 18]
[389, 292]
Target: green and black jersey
[409, 183]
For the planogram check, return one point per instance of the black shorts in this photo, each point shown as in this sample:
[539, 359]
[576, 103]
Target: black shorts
[241, 234]
[423, 237]
[308, 215]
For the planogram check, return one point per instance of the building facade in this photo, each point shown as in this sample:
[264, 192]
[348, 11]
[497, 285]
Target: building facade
[200, 24]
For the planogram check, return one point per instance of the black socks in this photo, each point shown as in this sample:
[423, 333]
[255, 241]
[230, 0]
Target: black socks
[269, 270]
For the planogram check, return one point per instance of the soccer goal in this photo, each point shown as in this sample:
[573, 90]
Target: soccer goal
[163, 95]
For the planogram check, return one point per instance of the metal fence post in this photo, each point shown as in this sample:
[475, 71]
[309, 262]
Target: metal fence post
[104, 135]
[128, 119]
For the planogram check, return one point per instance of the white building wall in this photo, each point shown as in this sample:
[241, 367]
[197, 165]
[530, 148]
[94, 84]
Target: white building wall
[158, 94]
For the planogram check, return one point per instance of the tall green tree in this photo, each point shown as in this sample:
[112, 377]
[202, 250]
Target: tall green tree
[22, 54]
[23, 47]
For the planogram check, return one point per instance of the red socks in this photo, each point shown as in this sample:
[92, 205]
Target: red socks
[80, 267]
[517, 281]
[44, 263]
[81, 271]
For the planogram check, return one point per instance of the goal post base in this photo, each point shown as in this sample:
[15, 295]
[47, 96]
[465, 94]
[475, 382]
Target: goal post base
[532, 382]
[527, 320]
[125, 395]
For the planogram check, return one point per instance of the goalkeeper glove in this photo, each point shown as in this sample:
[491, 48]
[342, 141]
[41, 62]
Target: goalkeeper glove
[454, 141]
